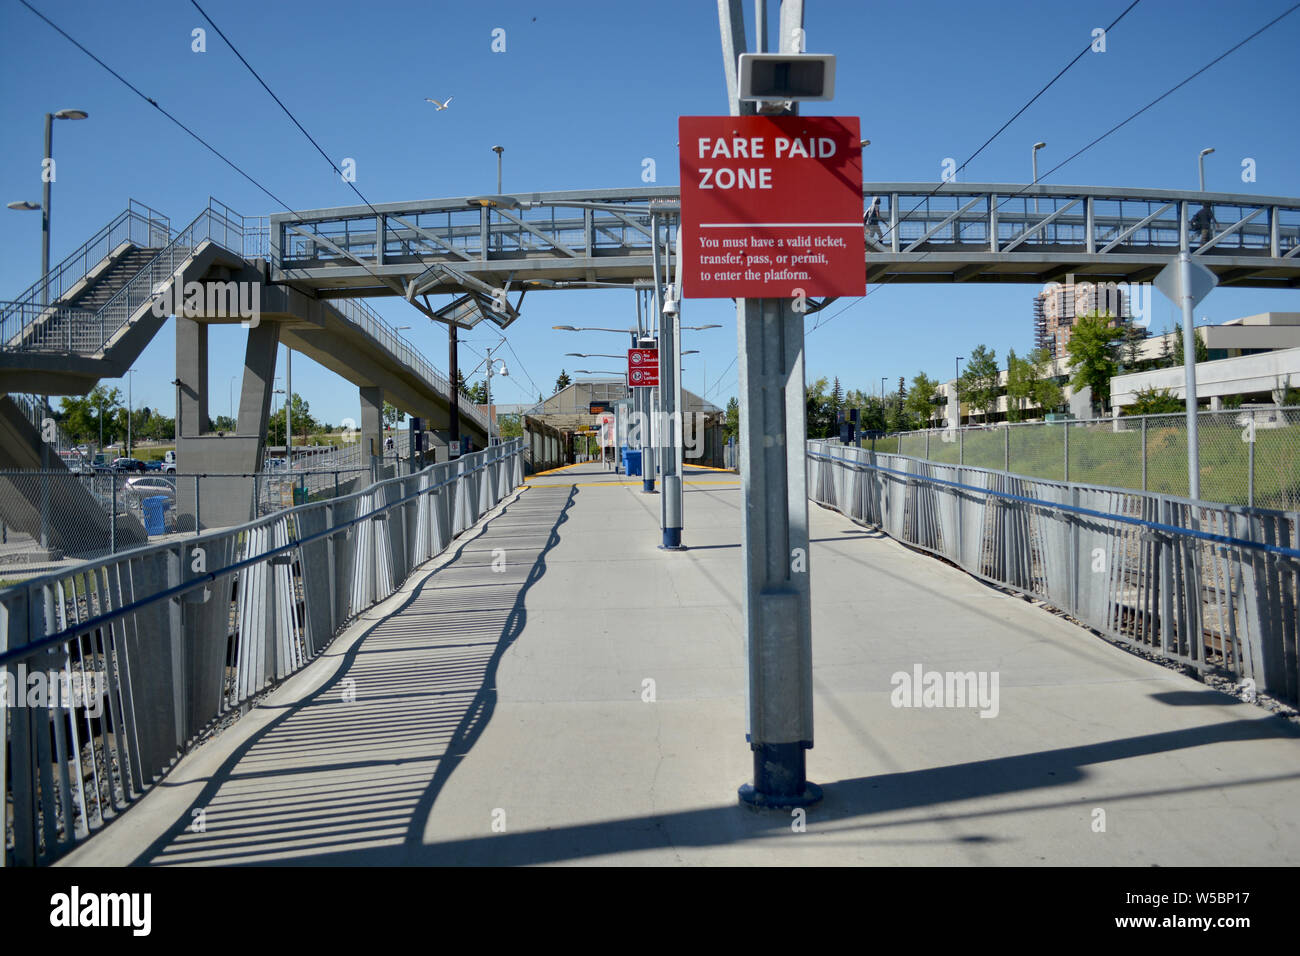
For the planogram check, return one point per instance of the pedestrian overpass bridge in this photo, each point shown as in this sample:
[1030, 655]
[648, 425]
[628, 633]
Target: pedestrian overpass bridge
[951, 232]
[464, 667]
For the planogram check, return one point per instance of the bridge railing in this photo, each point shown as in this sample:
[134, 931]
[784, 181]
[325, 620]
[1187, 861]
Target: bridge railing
[118, 666]
[1212, 586]
[365, 318]
[456, 231]
[917, 218]
[1092, 221]
[137, 224]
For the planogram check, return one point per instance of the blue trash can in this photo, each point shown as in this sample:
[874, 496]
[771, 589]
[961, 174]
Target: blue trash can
[632, 462]
[155, 514]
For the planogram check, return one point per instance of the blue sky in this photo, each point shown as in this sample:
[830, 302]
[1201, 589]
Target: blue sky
[583, 93]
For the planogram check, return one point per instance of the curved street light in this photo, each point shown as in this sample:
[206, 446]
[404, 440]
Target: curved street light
[1200, 164]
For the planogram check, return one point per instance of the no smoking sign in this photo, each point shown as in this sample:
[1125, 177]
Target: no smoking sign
[642, 368]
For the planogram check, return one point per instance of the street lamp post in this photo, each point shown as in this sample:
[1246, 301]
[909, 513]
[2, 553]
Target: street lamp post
[47, 180]
[1200, 164]
[288, 408]
[1033, 154]
[130, 403]
[498, 150]
[956, 391]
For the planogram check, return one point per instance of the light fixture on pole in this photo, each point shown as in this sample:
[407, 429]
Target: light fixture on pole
[498, 150]
[1033, 153]
[48, 176]
[1200, 164]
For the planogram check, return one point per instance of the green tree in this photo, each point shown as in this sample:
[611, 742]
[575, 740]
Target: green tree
[896, 418]
[979, 380]
[79, 416]
[392, 414]
[1020, 385]
[836, 398]
[510, 426]
[563, 381]
[461, 386]
[731, 424]
[920, 399]
[820, 415]
[224, 423]
[1202, 353]
[1092, 357]
[303, 422]
[1047, 394]
[1131, 347]
[1155, 401]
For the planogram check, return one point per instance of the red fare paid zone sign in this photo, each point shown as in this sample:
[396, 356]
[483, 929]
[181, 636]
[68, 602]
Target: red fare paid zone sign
[642, 368]
[771, 205]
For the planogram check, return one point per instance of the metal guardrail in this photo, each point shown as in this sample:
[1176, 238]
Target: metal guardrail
[158, 643]
[137, 224]
[1208, 585]
[363, 317]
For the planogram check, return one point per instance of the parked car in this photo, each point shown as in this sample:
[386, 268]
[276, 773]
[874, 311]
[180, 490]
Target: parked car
[128, 464]
[169, 462]
[155, 465]
[137, 489]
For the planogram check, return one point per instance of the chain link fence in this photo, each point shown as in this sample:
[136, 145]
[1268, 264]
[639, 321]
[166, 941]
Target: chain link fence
[51, 516]
[1246, 456]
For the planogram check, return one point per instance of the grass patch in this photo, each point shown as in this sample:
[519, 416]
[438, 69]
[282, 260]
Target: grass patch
[1101, 455]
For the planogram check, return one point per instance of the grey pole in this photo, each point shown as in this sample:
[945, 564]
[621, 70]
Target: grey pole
[1034, 155]
[45, 211]
[130, 402]
[1250, 477]
[670, 427]
[453, 425]
[288, 409]
[1200, 164]
[1189, 376]
[773, 468]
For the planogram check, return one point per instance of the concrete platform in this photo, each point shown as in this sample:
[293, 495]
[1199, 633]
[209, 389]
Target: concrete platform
[501, 715]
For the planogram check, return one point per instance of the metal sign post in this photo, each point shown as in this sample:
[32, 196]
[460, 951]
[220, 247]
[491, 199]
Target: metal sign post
[772, 206]
[1186, 283]
[642, 377]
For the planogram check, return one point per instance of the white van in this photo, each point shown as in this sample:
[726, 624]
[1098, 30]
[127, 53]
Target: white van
[169, 463]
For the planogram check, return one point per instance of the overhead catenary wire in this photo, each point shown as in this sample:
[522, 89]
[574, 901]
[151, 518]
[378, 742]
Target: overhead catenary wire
[200, 139]
[1000, 130]
[156, 105]
[1079, 152]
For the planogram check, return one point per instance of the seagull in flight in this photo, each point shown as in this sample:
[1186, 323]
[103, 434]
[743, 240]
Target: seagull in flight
[440, 106]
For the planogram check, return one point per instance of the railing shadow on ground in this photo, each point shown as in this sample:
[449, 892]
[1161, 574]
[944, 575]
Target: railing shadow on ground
[851, 806]
[414, 753]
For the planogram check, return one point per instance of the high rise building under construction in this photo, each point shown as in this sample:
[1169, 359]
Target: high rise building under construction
[1058, 306]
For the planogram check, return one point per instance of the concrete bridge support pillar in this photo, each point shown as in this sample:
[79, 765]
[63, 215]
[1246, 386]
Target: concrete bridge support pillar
[372, 422]
[192, 372]
[221, 501]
